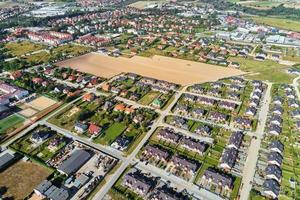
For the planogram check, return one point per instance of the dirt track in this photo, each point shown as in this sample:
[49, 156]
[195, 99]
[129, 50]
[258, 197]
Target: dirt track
[164, 68]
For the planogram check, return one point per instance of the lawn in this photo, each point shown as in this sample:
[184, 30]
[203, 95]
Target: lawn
[149, 97]
[69, 49]
[279, 23]
[111, 133]
[40, 57]
[264, 70]
[10, 123]
[21, 178]
[21, 48]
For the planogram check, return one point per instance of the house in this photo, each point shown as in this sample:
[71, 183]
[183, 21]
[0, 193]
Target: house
[37, 80]
[276, 120]
[81, 127]
[273, 172]
[94, 129]
[164, 193]
[74, 162]
[276, 146]
[168, 135]
[138, 183]
[217, 117]
[203, 130]
[156, 153]
[277, 100]
[275, 158]
[254, 102]
[271, 189]
[227, 105]
[193, 145]
[197, 112]
[46, 190]
[15, 75]
[119, 108]
[181, 109]
[251, 111]
[242, 123]
[213, 178]
[106, 87]
[228, 158]
[274, 129]
[189, 97]
[39, 136]
[278, 110]
[180, 122]
[293, 103]
[235, 140]
[295, 114]
[121, 143]
[6, 159]
[88, 97]
[206, 101]
[184, 164]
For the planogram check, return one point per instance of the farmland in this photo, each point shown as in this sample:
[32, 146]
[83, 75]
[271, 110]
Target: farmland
[287, 24]
[159, 67]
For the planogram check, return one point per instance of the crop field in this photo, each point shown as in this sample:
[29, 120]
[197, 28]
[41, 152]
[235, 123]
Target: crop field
[159, 67]
[27, 176]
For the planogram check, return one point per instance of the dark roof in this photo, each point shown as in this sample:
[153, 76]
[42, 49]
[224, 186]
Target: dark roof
[5, 159]
[271, 185]
[138, 181]
[217, 177]
[236, 139]
[274, 170]
[274, 156]
[185, 163]
[229, 157]
[276, 144]
[74, 162]
[51, 191]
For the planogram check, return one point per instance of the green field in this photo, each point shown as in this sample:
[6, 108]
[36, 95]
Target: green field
[10, 123]
[287, 24]
[111, 133]
[149, 97]
[21, 48]
[38, 57]
[264, 70]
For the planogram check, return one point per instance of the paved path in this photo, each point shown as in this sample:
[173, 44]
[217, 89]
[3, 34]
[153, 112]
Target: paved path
[253, 151]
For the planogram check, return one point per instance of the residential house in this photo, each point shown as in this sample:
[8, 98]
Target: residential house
[273, 172]
[184, 164]
[275, 158]
[193, 145]
[156, 153]
[271, 189]
[81, 127]
[213, 178]
[276, 146]
[235, 140]
[228, 158]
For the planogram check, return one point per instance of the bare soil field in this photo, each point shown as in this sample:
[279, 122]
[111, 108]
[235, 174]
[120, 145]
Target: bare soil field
[163, 68]
[28, 112]
[41, 103]
[21, 178]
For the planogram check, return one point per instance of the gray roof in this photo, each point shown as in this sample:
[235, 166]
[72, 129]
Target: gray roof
[274, 170]
[271, 185]
[3, 108]
[55, 193]
[73, 163]
[44, 186]
[5, 159]
[236, 139]
[229, 157]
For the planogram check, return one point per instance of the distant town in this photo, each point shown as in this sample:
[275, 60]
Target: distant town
[155, 100]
